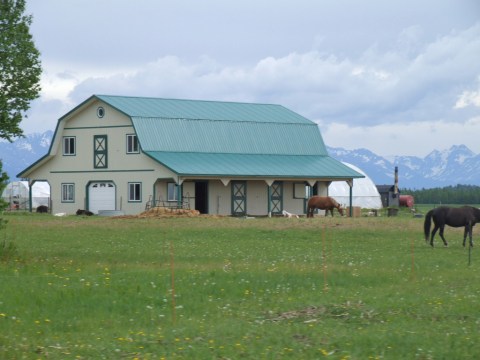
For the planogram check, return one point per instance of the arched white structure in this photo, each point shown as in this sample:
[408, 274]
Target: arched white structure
[16, 194]
[364, 194]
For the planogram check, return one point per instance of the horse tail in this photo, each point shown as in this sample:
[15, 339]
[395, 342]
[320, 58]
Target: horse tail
[427, 224]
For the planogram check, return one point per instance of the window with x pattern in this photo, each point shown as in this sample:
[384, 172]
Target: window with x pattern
[239, 198]
[100, 152]
[276, 197]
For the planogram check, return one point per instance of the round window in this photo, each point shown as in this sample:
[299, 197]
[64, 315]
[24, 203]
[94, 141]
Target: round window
[100, 112]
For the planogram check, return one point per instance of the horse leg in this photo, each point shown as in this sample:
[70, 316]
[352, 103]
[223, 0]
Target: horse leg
[442, 228]
[471, 235]
[469, 230]
[433, 234]
[310, 212]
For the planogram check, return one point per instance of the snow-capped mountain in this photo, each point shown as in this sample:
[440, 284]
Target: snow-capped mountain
[23, 152]
[457, 165]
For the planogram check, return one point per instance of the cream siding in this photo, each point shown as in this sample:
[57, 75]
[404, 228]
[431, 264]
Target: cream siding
[79, 169]
[219, 198]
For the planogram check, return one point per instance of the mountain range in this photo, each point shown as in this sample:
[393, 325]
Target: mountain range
[440, 168]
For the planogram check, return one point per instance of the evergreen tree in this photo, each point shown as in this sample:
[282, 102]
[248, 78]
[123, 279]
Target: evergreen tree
[20, 67]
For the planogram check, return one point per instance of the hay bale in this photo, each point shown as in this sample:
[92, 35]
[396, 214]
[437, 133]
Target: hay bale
[160, 211]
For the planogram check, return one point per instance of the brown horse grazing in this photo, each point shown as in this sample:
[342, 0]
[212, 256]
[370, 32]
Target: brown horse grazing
[466, 216]
[323, 203]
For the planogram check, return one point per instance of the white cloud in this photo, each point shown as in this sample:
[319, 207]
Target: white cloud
[469, 98]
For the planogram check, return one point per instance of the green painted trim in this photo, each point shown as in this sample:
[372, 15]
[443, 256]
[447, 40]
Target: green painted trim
[279, 198]
[97, 127]
[97, 152]
[98, 171]
[242, 198]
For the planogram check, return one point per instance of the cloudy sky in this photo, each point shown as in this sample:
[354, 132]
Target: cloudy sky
[395, 77]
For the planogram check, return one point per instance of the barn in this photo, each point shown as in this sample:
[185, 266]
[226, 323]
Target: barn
[124, 154]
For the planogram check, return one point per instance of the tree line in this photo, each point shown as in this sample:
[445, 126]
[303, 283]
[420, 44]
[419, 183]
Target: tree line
[458, 194]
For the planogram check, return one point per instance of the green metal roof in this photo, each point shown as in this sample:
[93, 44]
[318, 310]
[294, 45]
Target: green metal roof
[187, 135]
[199, 109]
[291, 166]
[224, 138]
[219, 127]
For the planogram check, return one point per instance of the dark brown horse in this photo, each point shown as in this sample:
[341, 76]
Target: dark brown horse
[466, 216]
[323, 203]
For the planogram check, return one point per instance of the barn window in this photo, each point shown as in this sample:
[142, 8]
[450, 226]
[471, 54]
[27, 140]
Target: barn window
[132, 144]
[301, 191]
[172, 192]
[69, 145]
[100, 112]
[134, 192]
[68, 192]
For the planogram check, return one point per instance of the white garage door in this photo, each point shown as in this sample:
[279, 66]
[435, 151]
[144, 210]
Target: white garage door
[101, 196]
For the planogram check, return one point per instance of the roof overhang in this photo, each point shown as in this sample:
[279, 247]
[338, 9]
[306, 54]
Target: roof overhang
[295, 167]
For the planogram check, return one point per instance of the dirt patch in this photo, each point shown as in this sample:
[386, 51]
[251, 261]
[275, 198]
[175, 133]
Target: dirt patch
[349, 311]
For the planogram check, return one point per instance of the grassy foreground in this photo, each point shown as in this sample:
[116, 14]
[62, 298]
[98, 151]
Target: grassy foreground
[226, 288]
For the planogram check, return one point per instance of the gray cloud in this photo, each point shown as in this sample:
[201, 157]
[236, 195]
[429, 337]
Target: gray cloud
[345, 64]
[396, 86]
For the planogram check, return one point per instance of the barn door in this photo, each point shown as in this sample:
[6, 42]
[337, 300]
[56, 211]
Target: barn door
[101, 196]
[239, 198]
[100, 159]
[276, 198]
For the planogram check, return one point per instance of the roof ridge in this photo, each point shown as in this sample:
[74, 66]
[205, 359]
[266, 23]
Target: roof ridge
[185, 100]
[311, 123]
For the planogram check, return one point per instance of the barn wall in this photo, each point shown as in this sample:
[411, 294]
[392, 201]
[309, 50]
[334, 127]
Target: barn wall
[257, 198]
[219, 198]
[291, 201]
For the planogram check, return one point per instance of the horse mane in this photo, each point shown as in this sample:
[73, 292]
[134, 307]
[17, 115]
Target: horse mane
[334, 202]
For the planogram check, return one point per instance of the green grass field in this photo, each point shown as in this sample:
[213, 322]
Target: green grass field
[228, 288]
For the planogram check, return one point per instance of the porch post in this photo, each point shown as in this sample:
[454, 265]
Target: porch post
[179, 195]
[30, 196]
[269, 195]
[269, 183]
[350, 184]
